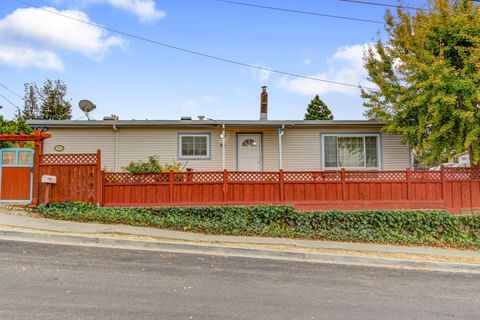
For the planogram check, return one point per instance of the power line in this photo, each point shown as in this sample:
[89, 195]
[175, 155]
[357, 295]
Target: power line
[382, 4]
[8, 100]
[297, 11]
[11, 91]
[201, 54]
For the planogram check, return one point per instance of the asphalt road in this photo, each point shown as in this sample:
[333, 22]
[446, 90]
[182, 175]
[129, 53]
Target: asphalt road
[42, 281]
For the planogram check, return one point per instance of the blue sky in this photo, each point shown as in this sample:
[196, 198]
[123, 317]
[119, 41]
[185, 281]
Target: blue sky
[138, 80]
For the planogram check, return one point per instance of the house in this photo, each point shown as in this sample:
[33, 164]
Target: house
[244, 145]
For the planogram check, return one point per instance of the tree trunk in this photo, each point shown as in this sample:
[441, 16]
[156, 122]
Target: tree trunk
[470, 154]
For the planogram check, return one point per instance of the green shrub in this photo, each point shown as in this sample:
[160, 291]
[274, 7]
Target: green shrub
[428, 227]
[152, 165]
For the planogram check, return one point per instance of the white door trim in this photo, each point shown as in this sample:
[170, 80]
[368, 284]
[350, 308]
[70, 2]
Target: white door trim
[258, 137]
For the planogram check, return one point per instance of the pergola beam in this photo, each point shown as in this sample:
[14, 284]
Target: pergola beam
[37, 135]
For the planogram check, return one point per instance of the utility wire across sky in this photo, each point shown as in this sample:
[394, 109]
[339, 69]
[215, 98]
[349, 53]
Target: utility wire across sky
[193, 52]
[8, 100]
[296, 11]
[11, 91]
[382, 4]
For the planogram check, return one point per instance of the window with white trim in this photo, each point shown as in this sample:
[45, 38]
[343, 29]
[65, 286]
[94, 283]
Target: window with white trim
[351, 151]
[194, 146]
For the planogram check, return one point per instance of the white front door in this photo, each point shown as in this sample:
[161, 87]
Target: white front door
[249, 148]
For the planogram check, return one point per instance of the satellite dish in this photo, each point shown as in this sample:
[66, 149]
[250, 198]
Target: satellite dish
[86, 106]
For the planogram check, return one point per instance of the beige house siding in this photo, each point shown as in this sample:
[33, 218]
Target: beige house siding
[301, 149]
[396, 155]
[301, 146]
[84, 141]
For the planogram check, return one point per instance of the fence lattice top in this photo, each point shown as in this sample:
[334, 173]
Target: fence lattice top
[450, 174]
[136, 178]
[68, 159]
[462, 174]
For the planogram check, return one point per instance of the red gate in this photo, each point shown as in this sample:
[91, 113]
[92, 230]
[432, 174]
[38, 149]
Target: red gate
[16, 173]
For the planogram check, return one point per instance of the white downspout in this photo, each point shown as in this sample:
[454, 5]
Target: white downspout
[116, 147]
[280, 149]
[223, 146]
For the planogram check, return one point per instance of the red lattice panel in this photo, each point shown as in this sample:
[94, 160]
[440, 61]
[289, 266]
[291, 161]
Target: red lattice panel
[201, 177]
[68, 158]
[136, 178]
[305, 176]
[425, 175]
[462, 174]
[252, 177]
[375, 176]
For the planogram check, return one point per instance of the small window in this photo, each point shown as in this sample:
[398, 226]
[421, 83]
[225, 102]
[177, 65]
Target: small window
[249, 143]
[349, 151]
[194, 146]
[8, 157]
[24, 157]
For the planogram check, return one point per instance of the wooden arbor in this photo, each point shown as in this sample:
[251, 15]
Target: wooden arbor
[37, 137]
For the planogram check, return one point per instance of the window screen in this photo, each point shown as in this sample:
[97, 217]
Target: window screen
[194, 146]
[350, 151]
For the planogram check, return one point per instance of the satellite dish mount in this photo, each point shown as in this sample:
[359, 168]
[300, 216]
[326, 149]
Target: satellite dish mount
[86, 106]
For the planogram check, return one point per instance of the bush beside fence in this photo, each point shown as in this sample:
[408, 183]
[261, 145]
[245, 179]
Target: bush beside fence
[430, 227]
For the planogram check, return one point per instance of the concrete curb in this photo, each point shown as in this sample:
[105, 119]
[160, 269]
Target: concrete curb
[195, 248]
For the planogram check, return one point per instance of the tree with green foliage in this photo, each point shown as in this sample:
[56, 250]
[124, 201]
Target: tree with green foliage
[427, 75]
[13, 127]
[47, 103]
[318, 110]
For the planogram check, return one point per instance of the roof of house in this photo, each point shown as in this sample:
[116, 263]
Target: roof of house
[199, 123]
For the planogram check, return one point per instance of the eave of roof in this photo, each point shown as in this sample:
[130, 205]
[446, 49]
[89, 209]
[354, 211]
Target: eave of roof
[199, 123]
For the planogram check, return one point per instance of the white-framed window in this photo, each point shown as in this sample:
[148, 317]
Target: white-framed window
[351, 151]
[194, 145]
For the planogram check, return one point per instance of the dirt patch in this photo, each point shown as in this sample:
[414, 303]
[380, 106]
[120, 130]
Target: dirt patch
[18, 211]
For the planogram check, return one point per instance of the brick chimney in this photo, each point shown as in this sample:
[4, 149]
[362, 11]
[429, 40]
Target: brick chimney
[264, 104]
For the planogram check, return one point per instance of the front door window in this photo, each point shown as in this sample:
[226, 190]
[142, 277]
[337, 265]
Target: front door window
[249, 152]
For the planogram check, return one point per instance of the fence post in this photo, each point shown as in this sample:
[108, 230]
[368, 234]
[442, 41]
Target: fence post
[98, 172]
[409, 187]
[281, 181]
[225, 185]
[344, 184]
[36, 173]
[170, 186]
[103, 188]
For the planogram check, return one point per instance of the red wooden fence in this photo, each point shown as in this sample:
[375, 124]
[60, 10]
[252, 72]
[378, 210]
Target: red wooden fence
[78, 177]
[454, 189]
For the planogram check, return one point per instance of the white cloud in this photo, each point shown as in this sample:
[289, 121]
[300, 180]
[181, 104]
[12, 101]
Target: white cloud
[145, 10]
[264, 75]
[307, 61]
[26, 57]
[40, 28]
[345, 65]
[29, 37]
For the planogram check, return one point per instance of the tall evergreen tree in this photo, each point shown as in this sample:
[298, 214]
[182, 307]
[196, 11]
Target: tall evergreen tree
[31, 109]
[318, 110]
[47, 103]
[427, 74]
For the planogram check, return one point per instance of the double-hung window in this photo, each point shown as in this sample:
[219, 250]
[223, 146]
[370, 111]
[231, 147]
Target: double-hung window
[351, 151]
[194, 145]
